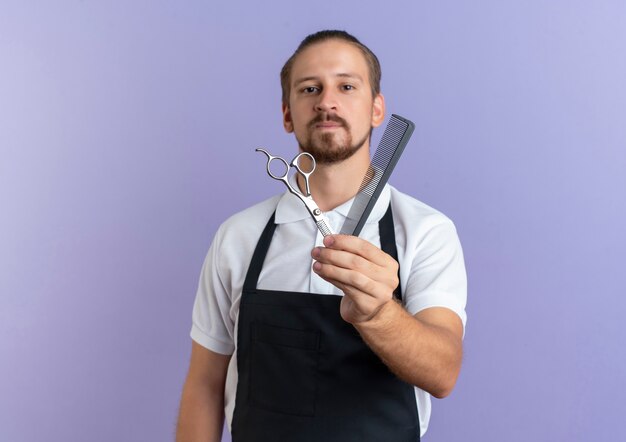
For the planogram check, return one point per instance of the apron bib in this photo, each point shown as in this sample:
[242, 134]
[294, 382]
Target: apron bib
[305, 374]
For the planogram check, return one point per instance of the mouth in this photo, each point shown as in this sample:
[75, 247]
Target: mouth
[328, 126]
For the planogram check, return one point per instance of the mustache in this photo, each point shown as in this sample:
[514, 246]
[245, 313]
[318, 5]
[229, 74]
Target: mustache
[325, 118]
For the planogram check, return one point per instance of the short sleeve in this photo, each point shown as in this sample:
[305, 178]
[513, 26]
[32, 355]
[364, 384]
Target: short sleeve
[212, 324]
[438, 277]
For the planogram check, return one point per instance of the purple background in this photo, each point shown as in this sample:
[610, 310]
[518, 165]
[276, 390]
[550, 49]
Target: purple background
[127, 134]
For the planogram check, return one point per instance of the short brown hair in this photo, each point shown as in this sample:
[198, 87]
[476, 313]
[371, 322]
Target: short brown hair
[371, 59]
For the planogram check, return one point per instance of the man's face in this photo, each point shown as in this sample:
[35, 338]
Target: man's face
[331, 109]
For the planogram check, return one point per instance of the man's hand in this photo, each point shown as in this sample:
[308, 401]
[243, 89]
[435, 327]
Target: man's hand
[424, 350]
[366, 275]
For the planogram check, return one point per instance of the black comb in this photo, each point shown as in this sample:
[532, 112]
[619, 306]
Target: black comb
[392, 144]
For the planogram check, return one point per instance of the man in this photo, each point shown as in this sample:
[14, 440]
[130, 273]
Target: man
[303, 338]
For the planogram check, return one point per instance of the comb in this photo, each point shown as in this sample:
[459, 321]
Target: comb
[392, 144]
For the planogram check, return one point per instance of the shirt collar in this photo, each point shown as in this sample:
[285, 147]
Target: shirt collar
[291, 209]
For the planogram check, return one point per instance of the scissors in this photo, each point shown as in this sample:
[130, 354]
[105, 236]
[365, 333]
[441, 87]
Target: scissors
[320, 220]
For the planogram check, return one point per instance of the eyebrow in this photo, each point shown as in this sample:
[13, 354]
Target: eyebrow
[342, 75]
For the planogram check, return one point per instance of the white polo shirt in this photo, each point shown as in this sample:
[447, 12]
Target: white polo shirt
[432, 270]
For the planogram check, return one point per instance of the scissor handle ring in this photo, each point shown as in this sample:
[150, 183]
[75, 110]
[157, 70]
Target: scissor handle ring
[296, 163]
[271, 158]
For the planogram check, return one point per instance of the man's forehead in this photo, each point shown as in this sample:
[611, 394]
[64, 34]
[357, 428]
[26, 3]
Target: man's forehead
[331, 57]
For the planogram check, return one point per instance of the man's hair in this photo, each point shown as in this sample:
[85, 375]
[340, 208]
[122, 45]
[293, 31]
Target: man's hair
[319, 37]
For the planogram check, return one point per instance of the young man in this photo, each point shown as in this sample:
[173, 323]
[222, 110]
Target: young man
[297, 337]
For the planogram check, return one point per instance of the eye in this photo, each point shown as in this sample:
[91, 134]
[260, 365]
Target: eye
[310, 89]
[348, 87]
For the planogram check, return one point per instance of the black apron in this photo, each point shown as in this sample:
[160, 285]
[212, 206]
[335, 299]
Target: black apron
[305, 374]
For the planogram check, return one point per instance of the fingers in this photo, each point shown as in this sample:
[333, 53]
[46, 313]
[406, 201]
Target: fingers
[352, 269]
[356, 263]
[346, 277]
[357, 246]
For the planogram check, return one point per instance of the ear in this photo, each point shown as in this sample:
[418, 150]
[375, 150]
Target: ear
[378, 110]
[287, 123]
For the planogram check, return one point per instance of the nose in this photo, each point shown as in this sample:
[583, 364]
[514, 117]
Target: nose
[327, 101]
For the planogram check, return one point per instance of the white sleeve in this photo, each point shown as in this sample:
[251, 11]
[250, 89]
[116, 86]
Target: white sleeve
[437, 277]
[212, 324]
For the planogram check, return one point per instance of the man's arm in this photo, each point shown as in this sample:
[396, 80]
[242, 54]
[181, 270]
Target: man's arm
[424, 350]
[201, 416]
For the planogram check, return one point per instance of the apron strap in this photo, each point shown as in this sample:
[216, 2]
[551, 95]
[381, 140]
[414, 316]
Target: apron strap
[256, 264]
[388, 243]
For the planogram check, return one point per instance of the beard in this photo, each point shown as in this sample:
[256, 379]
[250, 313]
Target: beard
[329, 148]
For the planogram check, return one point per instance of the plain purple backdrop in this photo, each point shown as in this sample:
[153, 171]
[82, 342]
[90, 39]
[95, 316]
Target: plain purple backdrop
[127, 135]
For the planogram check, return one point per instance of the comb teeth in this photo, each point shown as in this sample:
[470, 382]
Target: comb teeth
[391, 146]
[392, 137]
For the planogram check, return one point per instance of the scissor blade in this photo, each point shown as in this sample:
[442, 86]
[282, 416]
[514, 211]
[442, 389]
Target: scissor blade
[322, 222]
[324, 228]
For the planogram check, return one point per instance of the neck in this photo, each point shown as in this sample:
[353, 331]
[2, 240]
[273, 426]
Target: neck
[334, 184]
